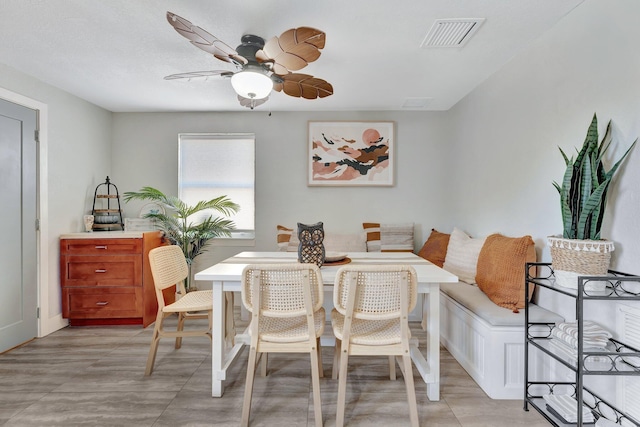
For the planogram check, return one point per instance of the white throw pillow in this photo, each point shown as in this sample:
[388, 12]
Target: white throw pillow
[462, 255]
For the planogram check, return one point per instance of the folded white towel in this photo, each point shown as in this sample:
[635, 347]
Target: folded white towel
[599, 342]
[589, 329]
[567, 407]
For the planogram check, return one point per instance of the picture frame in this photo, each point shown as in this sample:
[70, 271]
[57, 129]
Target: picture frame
[351, 153]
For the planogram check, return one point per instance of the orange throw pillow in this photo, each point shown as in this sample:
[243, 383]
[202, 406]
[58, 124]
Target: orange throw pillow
[500, 271]
[435, 248]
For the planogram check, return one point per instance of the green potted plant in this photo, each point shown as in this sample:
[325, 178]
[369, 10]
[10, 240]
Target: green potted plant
[583, 199]
[178, 223]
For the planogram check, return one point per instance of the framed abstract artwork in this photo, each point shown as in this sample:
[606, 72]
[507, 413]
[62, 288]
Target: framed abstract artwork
[351, 154]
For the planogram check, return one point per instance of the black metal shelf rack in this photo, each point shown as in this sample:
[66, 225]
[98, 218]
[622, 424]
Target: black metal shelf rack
[617, 359]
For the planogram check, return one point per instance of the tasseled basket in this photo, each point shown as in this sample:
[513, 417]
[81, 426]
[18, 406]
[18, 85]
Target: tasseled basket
[572, 258]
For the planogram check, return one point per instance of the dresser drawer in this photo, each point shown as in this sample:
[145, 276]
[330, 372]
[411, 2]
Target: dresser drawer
[105, 278]
[111, 270]
[100, 246]
[94, 303]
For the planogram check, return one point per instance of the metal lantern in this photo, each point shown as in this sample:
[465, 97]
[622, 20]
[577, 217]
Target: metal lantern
[106, 211]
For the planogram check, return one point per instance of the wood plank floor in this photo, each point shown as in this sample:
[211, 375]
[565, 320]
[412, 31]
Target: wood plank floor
[94, 376]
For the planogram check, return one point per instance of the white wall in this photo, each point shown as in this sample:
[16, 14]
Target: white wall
[506, 135]
[507, 131]
[486, 166]
[145, 154]
[78, 159]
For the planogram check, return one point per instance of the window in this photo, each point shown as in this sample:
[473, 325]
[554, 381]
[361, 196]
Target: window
[211, 165]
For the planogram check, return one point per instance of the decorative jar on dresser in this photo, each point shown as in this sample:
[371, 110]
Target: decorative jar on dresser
[106, 278]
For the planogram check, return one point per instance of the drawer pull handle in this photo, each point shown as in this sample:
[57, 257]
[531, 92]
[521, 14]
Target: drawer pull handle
[101, 271]
[101, 246]
[102, 303]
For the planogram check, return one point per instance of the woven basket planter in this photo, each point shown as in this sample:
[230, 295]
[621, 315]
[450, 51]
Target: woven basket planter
[572, 258]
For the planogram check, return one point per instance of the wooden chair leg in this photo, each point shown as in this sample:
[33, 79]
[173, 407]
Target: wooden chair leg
[155, 340]
[336, 359]
[411, 391]
[181, 317]
[315, 379]
[248, 388]
[263, 364]
[319, 351]
[342, 388]
[392, 368]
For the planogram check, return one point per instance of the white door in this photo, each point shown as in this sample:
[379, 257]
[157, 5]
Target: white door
[18, 259]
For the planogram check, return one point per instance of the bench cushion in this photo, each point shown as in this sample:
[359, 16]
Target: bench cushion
[474, 300]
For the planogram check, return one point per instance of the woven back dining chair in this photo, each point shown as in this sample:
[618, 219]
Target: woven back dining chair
[168, 268]
[285, 302]
[370, 317]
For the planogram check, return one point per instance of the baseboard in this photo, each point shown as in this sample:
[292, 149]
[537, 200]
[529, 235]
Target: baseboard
[52, 324]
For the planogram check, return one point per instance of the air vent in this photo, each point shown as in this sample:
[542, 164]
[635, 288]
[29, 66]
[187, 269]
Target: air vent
[451, 32]
[416, 103]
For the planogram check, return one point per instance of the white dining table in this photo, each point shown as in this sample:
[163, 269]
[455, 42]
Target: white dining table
[226, 276]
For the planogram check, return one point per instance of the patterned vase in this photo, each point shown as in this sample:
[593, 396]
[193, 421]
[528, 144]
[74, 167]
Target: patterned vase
[311, 248]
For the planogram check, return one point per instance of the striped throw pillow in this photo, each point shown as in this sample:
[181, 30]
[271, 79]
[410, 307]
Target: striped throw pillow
[389, 237]
[284, 237]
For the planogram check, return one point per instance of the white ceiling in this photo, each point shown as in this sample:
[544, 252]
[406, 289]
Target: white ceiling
[115, 53]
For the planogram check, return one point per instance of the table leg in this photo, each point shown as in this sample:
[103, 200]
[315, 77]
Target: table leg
[218, 341]
[433, 342]
[230, 324]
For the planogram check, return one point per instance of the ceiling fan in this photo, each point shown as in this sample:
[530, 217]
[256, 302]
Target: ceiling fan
[261, 66]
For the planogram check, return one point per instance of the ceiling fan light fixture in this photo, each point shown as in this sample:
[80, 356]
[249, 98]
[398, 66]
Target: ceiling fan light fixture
[261, 66]
[252, 84]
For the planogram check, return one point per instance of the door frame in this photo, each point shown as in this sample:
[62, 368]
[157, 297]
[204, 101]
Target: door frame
[46, 322]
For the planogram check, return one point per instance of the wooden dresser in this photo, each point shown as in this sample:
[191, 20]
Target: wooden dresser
[106, 278]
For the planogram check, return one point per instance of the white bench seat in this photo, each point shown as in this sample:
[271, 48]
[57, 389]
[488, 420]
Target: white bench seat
[486, 339]
[476, 301]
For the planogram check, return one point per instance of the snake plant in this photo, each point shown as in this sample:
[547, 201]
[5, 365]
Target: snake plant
[583, 193]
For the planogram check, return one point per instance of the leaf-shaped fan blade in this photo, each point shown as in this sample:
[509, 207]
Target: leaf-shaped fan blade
[293, 50]
[304, 85]
[251, 103]
[204, 40]
[199, 74]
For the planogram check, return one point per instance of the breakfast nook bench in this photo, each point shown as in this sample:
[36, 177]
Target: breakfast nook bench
[481, 323]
